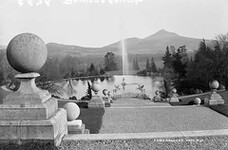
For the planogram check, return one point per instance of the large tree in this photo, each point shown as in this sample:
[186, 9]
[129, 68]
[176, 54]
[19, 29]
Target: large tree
[200, 70]
[168, 71]
[92, 71]
[110, 62]
[179, 62]
[147, 65]
[135, 64]
[153, 65]
[175, 65]
[210, 63]
[167, 60]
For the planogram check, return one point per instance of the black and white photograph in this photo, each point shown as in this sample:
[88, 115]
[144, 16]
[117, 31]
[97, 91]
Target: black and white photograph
[113, 75]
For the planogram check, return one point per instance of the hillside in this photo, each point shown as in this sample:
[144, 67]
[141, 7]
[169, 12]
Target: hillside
[153, 44]
[55, 49]
[156, 43]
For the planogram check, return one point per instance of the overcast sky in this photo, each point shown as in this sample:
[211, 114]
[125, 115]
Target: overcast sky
[94, 25]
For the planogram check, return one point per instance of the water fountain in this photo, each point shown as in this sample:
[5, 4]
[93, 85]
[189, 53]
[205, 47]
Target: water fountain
[125, 64]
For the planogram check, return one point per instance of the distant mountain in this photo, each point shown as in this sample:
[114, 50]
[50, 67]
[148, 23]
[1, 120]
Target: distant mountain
[55, 49]
[129, 41]
[156, 43]
[162, 34]
[153, 44]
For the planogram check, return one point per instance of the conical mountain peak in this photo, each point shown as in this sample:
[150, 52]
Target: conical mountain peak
[161, 34]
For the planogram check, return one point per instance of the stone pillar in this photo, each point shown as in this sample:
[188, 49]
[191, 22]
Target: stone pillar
[214, 98]
[30, 114]
[96, 101]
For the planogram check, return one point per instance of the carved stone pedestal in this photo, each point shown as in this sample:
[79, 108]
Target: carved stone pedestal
[213, 99]
[31, 114]
[76, 127]
[107, 101]
[96, 102]
[174, 98]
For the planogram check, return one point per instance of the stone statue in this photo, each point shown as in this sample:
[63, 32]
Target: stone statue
[157, 97]
[123, 83]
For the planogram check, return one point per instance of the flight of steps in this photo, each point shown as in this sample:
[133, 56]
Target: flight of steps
[77, 127]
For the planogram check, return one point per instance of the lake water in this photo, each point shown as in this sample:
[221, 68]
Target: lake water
[132, 83]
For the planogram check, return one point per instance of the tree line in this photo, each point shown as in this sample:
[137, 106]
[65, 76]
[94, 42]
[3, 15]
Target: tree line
[149, 69]
[60, 68]
[191, 74]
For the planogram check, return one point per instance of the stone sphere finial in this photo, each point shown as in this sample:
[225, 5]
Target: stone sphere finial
[197, 101]
[174, 90]
[96, 86]
[73, 111]
[214, 84]
[26, 53]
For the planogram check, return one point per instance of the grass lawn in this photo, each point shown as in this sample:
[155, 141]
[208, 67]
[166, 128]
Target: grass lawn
[92, 118]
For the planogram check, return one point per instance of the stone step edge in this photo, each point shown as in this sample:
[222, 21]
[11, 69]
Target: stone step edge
[150, 135]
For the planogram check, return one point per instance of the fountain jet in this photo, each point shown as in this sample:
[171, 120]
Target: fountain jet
[125, 65]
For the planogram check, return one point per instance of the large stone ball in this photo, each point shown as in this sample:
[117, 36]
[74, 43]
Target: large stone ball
[26, 52]
[73, 111]
[197, 101]
[174, 90]
[96, 87]
[214, 84]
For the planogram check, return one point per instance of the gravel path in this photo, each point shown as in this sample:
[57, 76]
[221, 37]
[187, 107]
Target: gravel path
[194, 143]
[159, 119]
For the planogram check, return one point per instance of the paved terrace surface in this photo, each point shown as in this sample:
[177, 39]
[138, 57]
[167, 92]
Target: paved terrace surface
[130, 115]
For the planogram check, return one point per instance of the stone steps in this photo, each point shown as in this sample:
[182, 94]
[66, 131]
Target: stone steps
[77, 127]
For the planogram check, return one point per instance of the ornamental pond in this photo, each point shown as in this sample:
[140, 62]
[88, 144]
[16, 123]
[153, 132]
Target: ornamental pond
[118, 84]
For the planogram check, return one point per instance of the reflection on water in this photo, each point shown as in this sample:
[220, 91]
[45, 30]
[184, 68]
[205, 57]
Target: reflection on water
[125, 83]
